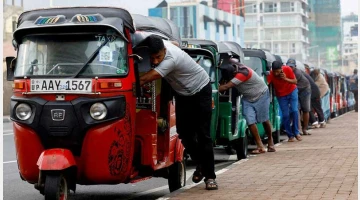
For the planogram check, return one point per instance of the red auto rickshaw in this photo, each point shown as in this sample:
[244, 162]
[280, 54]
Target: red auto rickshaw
[79, 114]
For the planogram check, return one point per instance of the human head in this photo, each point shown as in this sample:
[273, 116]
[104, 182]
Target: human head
[355, 71]
[157, 49]
[276, 68]
[291, 62]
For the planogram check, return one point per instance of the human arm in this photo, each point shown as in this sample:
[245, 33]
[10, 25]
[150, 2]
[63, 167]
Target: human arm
[149, 76]
[226, 86]
[288, 75]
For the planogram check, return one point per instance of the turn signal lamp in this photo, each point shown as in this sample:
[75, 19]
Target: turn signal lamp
[18, 85]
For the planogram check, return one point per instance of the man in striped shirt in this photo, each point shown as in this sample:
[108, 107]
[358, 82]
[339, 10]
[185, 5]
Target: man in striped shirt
[255, 102]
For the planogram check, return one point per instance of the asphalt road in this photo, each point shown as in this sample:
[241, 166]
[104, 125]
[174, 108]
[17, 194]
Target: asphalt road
[16, 189]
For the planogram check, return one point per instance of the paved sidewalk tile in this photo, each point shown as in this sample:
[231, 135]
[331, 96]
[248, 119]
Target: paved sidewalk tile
[322, 166]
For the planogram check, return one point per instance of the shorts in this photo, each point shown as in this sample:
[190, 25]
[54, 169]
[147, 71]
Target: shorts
[305, 99]
[258, 111]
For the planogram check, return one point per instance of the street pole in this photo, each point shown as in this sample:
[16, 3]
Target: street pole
[168, 10]
[258, 21]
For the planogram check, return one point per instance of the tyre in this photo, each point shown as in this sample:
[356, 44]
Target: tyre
[276, 136]
[56, 187]
[177, 176]
[242, 147]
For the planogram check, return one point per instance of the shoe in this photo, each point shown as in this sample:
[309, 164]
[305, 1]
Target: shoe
[298, 137]
[291, 139]
[210, 184]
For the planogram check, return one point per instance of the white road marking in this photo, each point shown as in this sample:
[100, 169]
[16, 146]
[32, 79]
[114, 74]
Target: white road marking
[7, 162]
[6, 134]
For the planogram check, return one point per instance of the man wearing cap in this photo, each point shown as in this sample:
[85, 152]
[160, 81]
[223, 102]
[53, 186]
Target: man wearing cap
[255, 102]
[284, 82]
[304, 94]
[354, 87]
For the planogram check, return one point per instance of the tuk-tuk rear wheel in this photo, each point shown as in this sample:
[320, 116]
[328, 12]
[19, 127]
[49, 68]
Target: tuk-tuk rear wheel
[55, 187]
[177, 176]
[276, 136]
[242, 147]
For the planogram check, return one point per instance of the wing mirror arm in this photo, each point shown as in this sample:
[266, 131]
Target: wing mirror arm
[137, 57]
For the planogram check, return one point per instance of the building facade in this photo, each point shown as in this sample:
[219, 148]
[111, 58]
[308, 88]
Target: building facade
[349, 55]
[198, 20]
[279, 26]
[325, 29]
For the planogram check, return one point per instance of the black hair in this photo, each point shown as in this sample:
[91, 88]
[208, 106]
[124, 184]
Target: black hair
[276, 65]
[155, 44]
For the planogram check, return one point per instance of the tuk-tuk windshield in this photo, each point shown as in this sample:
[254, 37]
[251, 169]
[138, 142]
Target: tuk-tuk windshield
[66, 55]
[206, 63]
[255, 64]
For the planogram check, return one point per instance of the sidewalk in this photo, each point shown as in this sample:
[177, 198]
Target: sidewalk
[322, 166]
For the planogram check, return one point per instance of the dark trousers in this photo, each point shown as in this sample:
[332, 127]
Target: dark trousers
[193, 118]
[316, 106]
[356, 99]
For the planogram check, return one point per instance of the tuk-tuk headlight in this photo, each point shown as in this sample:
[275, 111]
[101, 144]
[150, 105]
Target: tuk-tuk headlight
[98, 111]
[23, 111]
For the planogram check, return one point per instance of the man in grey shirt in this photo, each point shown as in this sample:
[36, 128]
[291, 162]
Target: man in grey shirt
[193, 103]
[304, 94]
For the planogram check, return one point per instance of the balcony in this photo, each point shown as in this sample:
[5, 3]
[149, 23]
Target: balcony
[279, 24]
[250, 25]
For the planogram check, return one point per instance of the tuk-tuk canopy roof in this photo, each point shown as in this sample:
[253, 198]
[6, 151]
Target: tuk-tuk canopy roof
[203, 43]
[229, 46]
[260, 53]
[158, 25]
[278, 58]
[112, 17]
[254, 53]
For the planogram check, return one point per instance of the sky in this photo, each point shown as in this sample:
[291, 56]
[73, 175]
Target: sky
[142, 6]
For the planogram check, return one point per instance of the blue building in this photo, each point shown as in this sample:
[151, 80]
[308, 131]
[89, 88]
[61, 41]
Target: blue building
[200, 21]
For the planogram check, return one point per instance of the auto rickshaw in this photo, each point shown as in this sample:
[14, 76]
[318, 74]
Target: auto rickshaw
[79, 115]
[261, 61]
[342, 93]
[326, 99]
[225, 129]
[332, 81]
[350, 95]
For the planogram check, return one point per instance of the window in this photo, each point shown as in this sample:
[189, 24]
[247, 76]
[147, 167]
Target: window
[285, 6]
[225, 29]
[276, 48]
[270, 7]
[249, 8]
[217, 27]
[293, 48]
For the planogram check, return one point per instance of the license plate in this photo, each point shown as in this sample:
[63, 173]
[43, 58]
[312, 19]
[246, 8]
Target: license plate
[61, 85]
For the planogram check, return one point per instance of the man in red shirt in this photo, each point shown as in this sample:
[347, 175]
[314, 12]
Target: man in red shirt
[284, 82]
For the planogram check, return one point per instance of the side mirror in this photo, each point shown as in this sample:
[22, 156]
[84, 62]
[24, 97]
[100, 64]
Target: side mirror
[10, 68]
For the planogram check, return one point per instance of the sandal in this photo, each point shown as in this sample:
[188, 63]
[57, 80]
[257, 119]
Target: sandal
[197, 176]
[258, 151]
[271, 149]
[291, 139]
[298, 137]
[211, 184]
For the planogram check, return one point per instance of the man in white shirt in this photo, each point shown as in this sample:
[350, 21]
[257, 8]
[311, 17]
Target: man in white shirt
[193, 103]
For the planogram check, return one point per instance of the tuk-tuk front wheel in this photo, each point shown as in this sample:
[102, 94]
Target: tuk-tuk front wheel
[177, 176]
[55, 188]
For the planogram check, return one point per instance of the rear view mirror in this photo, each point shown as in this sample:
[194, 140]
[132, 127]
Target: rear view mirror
[136, 57]
[10, 68]
[266, 73]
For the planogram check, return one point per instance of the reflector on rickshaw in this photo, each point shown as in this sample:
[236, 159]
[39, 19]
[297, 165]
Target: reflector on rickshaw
[50, 20]
[87, 18]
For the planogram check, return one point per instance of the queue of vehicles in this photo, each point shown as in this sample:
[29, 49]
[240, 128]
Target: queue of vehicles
[81, 117]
